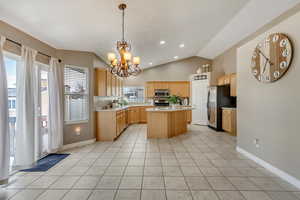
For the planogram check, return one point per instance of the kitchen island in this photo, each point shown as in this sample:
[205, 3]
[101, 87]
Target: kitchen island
[167, 122]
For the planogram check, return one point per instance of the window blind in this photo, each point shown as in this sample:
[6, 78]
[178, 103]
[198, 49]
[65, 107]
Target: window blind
[76, 93]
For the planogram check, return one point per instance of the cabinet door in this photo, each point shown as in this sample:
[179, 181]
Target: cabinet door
[143, 115]
[181, 89]
[117, 87]
[108, 83]
[100, 82]
[185, 89]
[226, 120]
[189, 116]
[221, 80]
[113, 85]
[127, 118]
[233, 85]
[150, 90]
[121, 87]
[227, 79]
[131, 115]
[174, 88]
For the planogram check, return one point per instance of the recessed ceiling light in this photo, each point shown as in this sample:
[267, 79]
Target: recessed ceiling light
[162, 42]
[150, 63]
[175, 57]
[181, 45]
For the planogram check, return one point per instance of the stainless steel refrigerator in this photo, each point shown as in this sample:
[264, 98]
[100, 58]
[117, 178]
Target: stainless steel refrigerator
[218, 97]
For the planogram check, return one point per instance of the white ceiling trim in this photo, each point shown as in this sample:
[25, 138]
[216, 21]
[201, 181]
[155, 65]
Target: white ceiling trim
[249, 19]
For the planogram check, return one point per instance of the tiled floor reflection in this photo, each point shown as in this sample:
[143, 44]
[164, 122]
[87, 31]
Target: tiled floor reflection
[201, 165]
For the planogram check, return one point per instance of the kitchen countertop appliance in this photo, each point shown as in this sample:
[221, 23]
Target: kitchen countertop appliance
[161, 97]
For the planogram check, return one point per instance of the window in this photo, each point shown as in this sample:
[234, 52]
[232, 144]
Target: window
[134, 94]
[76, 94]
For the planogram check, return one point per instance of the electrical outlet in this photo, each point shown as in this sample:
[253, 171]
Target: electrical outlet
[256, 142]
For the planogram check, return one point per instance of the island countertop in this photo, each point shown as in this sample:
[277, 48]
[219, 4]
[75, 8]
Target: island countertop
[170, 109]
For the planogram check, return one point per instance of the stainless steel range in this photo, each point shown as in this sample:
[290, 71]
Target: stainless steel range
[161, 97]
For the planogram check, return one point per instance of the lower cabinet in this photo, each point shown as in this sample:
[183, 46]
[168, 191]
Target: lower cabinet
[229, 121]
[110, 124]
[137, 114]
[189, 116]
[121, 121]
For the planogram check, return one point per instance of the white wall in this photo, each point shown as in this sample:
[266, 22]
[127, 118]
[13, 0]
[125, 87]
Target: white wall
[271, 112]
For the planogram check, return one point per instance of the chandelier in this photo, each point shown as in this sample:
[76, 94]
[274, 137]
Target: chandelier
[125, 65]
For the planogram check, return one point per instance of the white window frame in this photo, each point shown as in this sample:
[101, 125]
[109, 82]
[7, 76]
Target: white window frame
[83, 94]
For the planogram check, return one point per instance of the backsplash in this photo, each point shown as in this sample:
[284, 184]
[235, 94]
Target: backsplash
[100, 102]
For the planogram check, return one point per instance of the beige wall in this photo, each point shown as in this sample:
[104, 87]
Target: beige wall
[14, 34]
[223, 64]
[270, 112]
[80, 59]
[77, 58]
[175, 71]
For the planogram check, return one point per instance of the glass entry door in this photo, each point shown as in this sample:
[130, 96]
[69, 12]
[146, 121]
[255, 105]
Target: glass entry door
[43, 111]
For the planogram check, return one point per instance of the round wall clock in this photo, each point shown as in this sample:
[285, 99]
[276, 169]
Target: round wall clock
[272, 58]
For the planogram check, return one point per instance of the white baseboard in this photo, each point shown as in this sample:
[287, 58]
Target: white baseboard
[285, 176]
[78, 144]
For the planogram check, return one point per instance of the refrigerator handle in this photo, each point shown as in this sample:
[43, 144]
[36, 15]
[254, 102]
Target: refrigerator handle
[208, 100]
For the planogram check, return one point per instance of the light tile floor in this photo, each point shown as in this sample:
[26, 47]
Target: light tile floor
[201, 165]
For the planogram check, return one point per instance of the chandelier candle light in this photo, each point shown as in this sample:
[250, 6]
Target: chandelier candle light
[125, 65]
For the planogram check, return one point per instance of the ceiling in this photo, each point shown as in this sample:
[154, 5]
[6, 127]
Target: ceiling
[247, 21]
[95, 25]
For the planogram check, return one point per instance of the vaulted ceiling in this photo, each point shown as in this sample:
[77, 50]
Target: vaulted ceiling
[95, 25]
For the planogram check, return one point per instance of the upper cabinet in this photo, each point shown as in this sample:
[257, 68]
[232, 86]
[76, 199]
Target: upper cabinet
[107, 84]
[233, 85]
[178, 88]
[100, 82]
[150, 89]
[113, 86]
[229, 79]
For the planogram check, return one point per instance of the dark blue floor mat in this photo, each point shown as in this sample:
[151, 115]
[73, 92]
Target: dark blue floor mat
[46, 163]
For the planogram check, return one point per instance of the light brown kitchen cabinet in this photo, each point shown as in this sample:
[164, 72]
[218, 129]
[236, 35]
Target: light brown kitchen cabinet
[178, 88]
[233, 85]
[108, 84]
[134, 115]
[117, 87]
[100, 82]
[221, 80]
[150, 90]
[229, 120]
[184, 89]
[121, 121]
[137, 114]
[121, 87]
[224, 80]
[113, 85]
[189, 116]
[229, 79]
[110, 124]
[143, 114]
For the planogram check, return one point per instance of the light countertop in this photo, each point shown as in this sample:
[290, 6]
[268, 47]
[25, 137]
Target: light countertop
[229, 108]
[120, 108]
[169, 109]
